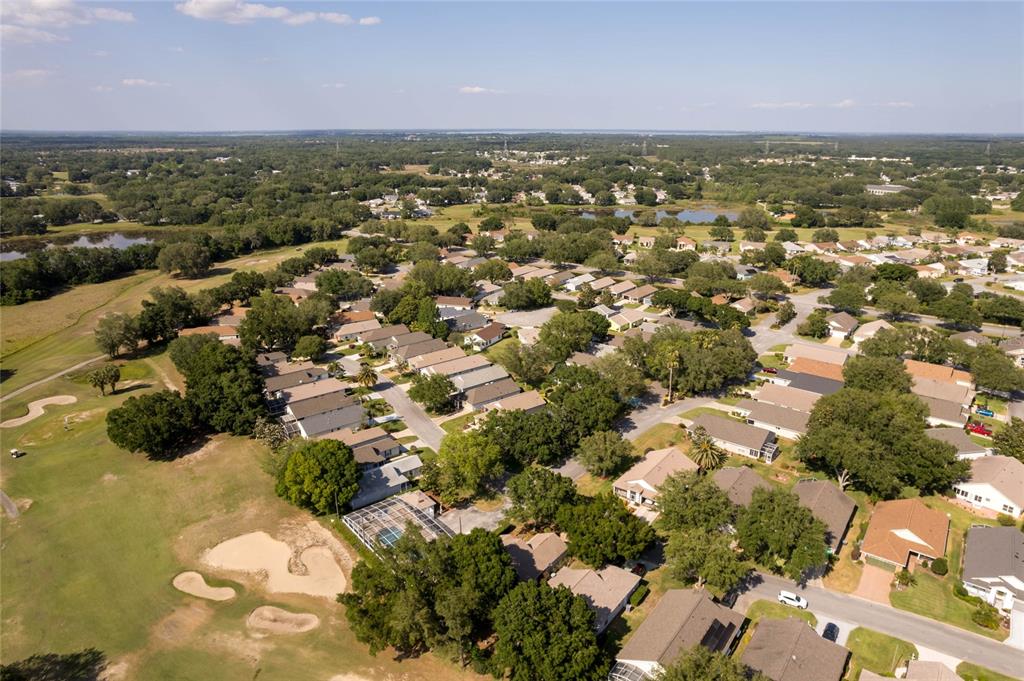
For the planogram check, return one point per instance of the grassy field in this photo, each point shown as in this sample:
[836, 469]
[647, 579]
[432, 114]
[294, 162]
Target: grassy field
[661, 436]
[90, 560]
[877, 652]
[40, 338]
[972, 672]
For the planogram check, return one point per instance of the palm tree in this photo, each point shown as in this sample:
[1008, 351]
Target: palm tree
[367, 376]
[703, 450]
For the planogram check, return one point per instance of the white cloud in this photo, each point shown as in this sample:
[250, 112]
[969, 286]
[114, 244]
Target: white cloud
[898, 105]
[243, 12]
[142, 82]
[109, 14]
[844, 104]
[101, 88]
[27, 75]
[333, 86]
[477, 90]
[24, 35]
[57, 13]
[781, 105]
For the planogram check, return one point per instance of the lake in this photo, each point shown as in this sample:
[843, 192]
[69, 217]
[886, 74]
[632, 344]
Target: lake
[704, 214]
[118, 240]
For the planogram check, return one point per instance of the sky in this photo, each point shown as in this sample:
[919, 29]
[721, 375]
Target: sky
[234, 65]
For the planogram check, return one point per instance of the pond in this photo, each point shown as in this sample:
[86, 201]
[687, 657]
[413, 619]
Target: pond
[702, 215]
[117, 240]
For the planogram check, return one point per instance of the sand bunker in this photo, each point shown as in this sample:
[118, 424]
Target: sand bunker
[35, 409]
[194, 584]
[273, 620]
[258, 552]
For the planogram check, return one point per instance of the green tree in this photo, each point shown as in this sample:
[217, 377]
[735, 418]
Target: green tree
[106, 375]
[529, 619]
[157, 424]
[604, 452]
[700, 664]
[814, 325]
[811, 271]
[721, 233]
[309, 347]
[847, 297]
[703, 450]
[826, 234]
[273, 322]
[538, 494]
[876, 373]
[344, 285]
[752, 217]
[693, 501]
[367, 377]
[618, 371]
[525, 438]
[704, 557]
[494, 270]
[186, 257]
[1009, 440]
[527, 363]
[765, 286]
[466, 462]
[526, 295]
[786, 234]
[775, 529]
[568, 332]
[785, 314]
[434, 392]
[320, 475]
[602, 530]
[116, 331]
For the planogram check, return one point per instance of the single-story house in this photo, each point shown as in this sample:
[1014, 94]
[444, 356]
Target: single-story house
[818, 352]
[479, 397]
[639, 485]
[484, 338]
[866, 331]
[718, 247]
[814, 367]
[940, 390]
[457, 302]
[371, 447]
[604, 311]
[458, 366]
[996, 484]
[787, 396]
[792, 248]
[738, 438]
[605, 591]
[437, 357]
[830, 505]
[944, 412]
[265, 359]
[426, 347]
[841, 324]
[275, 384]
[392, 478]
[463, 320]
[783, 421]
[966, 448]
[626, 319]
[971, 338]
[536, 557]
[620, 288]
[225, 333]
[559, 278]
[904, 528]
[646, 241]
[576, 282]
[373, 335]
[482, 376]
[351, 417]
[938, 372]
[641, 294]
[352, 330]
[685, 243]
[790, 650]
[393, 343]
[739, 483]
[807, 382]
[320, 404]
[307, 391]
[1014, 349]
[682, 619]
[973, 267]
[994, 565]
[285, 366]
[529, 402]
[744, 305]
[602, 283]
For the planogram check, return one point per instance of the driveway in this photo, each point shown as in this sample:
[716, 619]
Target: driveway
[1016, 639]
[571, 469]
[526, 317]
[465, 520]
[837, 607]
[874, 584]
[413, 415]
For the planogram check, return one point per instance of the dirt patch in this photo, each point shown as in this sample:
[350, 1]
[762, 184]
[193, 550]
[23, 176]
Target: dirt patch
[194, 584]
[350, 677]
[177, 627]
[267, 619]
[36, 408]
[284, 567]
[23, 504]
[109, 477]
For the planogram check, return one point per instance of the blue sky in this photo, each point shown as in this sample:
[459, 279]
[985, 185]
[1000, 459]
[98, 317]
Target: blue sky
[237, 65]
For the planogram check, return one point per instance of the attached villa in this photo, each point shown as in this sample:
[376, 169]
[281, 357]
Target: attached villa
[996, 484]
[739, 438]
[639, 485]
[994, 565]
[605, 591]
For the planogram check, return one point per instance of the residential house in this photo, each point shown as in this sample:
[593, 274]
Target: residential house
[641, 294]
[225, 334]
[922, 670]
[265, 359]
[751, 246]
[620, 288]
[682, 620]
[866, 331]
[882, 189]
[842, 324]
[626, 319]
[818, 352]
[622, 241]
[931, 271]
[374, 335]
[283, 367]
[745, 272]
[576, 282]
[784, 422]
[481, 376]
[685, 243]
[319, 404]
[602, 283]
[559, 278]
[542, 273]
[966, 448]
[604, 310]
[605, 591]
[1014, 349]
[902, 529]
[739, 483]
[815, 367]
[457, 302]
[350, 417]
[940, 390]
[806, 382]
[718, 247]
[973, 267]
[394, 343]
[275, 384]
[421, 362]
[484, 338]
[352, 330]
[371, 447]
[971, 338]
[830, 505]
[406, 353]
[744, 305]
[639, 485]
[787, 396]
[790, 650]
[646, 241]
[528, 402]
[822, 247]
[462, 321]
[792, 248]
[306, 391]
[738, 438]
[479, 397]
[993, 567]
[457, 366]
[536, 557]
[996, 484]
[944, 413]
[394, 477]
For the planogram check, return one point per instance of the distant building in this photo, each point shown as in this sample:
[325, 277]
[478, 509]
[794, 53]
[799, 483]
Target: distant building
[883, 189]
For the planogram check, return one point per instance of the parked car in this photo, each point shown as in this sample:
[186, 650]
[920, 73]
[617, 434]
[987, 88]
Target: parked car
[979, 428]
[790, 598]
[770, 370]
[639, 570]
[831, 632]
[985, 411]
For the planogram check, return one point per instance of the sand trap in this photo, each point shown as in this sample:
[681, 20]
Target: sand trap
[271, 620]
[258, 552]
[194, 584]
[35, 409]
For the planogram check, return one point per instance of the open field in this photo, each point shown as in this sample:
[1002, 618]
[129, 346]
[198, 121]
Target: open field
[103, 533]
[40, 338]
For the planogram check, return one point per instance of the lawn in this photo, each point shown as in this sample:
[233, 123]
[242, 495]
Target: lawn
[660, 436]
[845, 573]
[933, 597]
[694, 413]
[972, 672]
[591, 485]
[772, 610]
[459, 423]
[89, 562]
[877, 652]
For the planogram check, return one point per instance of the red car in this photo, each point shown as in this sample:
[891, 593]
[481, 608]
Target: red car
[979, 428]
[770, 370]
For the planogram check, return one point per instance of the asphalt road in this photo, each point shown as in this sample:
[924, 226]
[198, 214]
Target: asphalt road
[829, 605]
[413, 415]
[10, 508]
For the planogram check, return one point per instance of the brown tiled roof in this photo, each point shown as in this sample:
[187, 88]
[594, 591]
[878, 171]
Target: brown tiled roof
[936, 372]
[805, 365]
[533, 558]
[490, 332]
[900, 527]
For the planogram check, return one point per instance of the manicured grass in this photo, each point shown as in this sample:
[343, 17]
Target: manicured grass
[772, 610]
[877, 652]
[591, 485]
[694, 413]
[772, 360]
[459, 423]
[660, 436]
[932, 597]
[972, 672]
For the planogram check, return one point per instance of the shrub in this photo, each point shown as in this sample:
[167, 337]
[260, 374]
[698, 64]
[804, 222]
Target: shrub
[959, 591]
[940, 566]
[855, 553]
[638, 596]
[1006, 520]
[986, 616]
